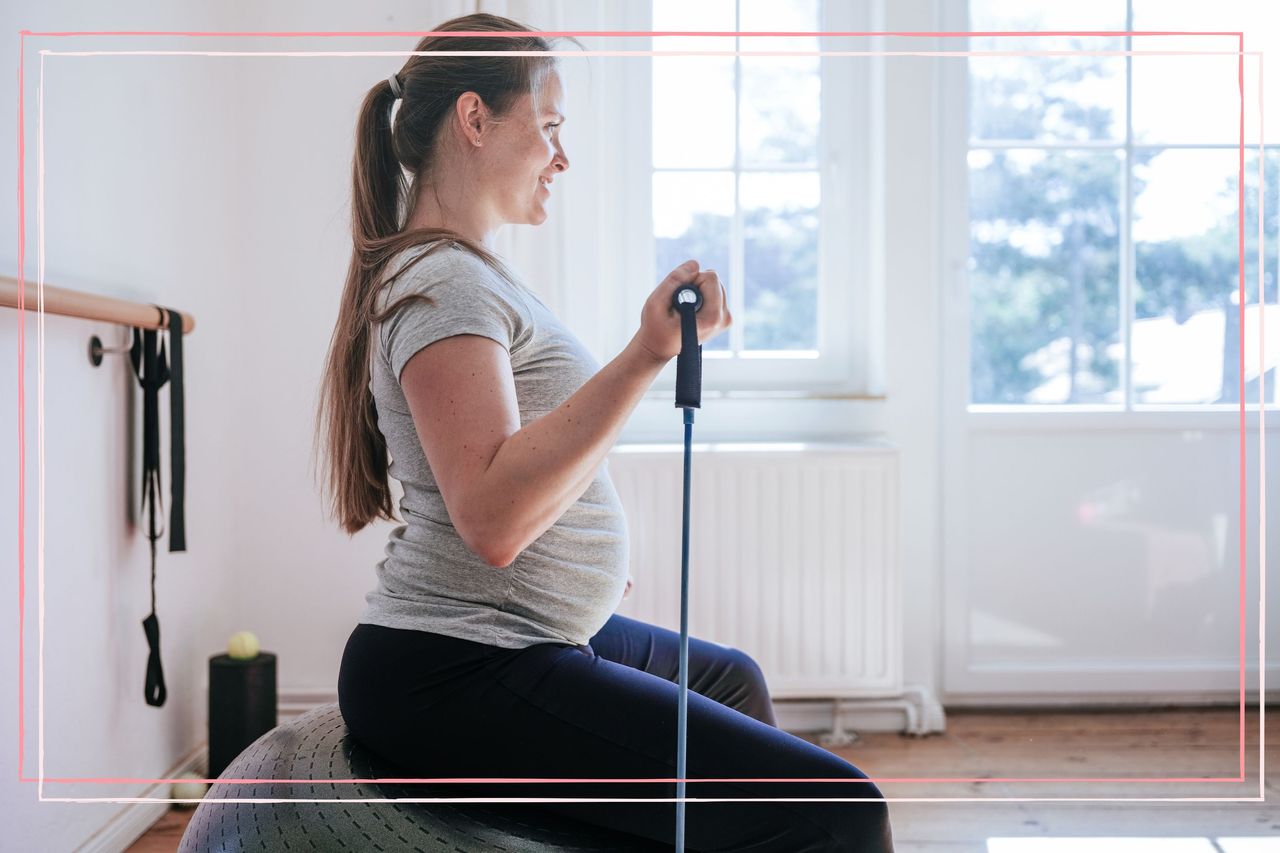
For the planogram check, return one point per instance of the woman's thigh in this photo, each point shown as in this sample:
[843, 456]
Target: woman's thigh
[722, 673]
[554, 711]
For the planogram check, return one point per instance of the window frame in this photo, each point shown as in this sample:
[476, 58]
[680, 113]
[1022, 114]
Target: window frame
[849, 360]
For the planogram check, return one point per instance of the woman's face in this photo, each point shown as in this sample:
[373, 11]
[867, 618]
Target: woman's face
[527, 152]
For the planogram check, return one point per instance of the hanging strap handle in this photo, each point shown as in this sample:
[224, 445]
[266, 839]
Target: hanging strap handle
[177, 439]
[153, 372]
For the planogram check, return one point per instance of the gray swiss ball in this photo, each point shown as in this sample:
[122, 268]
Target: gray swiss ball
[316, 747]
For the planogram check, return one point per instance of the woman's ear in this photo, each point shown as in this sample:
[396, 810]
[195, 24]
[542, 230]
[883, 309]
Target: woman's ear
[471, 112]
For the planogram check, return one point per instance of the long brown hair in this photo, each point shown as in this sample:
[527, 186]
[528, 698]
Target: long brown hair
[355, 451]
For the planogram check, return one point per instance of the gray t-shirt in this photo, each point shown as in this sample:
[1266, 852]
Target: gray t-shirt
[567, 583]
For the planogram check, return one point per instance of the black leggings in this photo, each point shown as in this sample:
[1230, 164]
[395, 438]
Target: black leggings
[443, 707]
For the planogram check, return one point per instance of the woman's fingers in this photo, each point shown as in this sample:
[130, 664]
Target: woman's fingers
[708, 276]
[680, 275]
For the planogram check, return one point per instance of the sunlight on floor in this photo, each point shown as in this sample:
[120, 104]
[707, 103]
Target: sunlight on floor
[1121, 844]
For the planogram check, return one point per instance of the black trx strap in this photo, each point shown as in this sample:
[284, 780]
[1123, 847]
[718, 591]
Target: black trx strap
[152, 373]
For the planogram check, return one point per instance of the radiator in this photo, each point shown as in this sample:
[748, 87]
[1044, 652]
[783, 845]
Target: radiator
[792, 557]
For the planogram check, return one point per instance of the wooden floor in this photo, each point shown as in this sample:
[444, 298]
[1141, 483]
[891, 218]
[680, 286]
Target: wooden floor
[1146, 744]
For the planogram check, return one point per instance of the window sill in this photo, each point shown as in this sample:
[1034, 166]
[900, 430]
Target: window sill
[853, 444]
[761, 416]
[1032, 418]
[709, 394]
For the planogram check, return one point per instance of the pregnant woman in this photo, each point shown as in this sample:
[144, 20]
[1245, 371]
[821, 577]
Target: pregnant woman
[489, 647]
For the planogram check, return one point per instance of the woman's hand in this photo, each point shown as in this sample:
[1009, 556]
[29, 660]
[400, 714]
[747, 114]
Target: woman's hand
[659, 332]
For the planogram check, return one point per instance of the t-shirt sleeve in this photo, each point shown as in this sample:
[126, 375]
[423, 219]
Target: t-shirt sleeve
[465, 300]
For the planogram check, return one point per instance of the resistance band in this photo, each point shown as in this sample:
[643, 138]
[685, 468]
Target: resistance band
[688, 301]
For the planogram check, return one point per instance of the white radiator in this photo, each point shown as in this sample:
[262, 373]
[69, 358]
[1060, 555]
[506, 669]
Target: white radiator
[792, 557]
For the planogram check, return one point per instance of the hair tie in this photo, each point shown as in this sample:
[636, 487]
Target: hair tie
[395, 86]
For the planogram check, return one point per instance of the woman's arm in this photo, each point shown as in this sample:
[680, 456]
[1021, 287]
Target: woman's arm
[540, 470]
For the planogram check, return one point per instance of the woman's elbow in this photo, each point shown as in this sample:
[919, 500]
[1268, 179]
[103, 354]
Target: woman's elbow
[500, 558]
[486, 544]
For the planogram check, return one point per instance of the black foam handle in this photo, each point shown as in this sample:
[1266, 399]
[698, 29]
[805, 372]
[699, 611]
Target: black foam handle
[688, 300]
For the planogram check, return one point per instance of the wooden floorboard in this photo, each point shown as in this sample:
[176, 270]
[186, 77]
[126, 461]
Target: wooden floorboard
[165, 834]
[1156, 744]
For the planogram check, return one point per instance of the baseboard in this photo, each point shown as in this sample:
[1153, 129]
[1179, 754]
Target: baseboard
[1101, 702]
[134, 819]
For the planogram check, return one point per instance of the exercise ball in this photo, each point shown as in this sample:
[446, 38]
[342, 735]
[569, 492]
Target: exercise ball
[317, 747]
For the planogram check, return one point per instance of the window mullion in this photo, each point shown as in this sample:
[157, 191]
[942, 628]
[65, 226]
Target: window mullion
[1128, 257]
[737, 264]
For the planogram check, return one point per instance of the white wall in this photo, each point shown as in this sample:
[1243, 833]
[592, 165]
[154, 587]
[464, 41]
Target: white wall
[138, 196]
[217, 186]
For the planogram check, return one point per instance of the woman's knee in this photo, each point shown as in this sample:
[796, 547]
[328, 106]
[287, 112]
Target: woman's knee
[752, 687]
[746, 665]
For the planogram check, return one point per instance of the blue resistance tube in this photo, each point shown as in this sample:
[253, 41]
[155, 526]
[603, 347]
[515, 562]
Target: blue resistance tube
[687, 300]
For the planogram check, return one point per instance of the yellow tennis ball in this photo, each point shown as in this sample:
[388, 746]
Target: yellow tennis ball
[243, 645]
[188, 790]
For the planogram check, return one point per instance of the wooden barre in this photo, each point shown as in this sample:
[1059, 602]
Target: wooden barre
[89, 306]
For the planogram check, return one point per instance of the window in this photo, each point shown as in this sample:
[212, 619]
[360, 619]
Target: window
[756, 173]
[1103, 235]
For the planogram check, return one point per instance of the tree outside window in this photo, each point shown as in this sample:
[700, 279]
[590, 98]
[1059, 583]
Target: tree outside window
[1090, 173]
